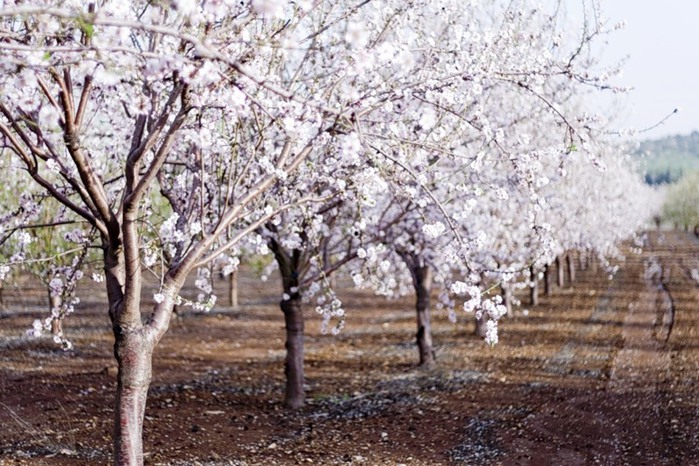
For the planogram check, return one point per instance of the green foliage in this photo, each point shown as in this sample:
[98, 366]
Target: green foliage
[667, 159]
[86, 27]
[682, 201]
[259, 263]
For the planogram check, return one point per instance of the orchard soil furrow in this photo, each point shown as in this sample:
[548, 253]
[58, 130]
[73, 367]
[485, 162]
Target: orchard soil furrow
[602, 371]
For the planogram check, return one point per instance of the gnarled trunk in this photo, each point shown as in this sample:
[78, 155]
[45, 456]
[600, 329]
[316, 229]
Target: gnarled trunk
[294, 397]
[422, 280]
[134, 355]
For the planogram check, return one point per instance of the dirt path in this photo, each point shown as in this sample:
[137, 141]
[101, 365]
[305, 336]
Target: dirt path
[639, 404]
[646, 328]
[600, 372]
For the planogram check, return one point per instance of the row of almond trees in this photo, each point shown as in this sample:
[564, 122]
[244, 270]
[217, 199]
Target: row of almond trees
[404, 143]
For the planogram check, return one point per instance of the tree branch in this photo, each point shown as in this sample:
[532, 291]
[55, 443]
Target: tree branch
[33, 172]
[92, 182]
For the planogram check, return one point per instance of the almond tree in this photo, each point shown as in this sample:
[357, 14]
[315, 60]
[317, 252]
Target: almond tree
[475, 155]
[308, 245]
[441, 112]
[62, 252]
[403, 130]
[171, 131]
[592, 208]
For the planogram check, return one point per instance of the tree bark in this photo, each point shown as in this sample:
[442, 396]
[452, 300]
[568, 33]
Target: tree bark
[289, 262]
[294, 396]
[134, 355]
[571, 267]
[547, 280]
[57, 323]
[560, 271]
[481, 328]
[533, 286]
[133, 351]
[507, 297]
[583, 260]
[233, 289]
[422, 279]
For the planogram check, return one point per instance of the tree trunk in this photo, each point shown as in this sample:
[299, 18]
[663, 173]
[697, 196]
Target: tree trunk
[481, 328]
[233, 289]
[289, 265]
[56, 323]
[583, 259]
[423, 284]
[547, 280]
[571, 267]
[658, 221]
[533, 286]
[560, 271]
[134, 355]
[507, 297]
[295, 396]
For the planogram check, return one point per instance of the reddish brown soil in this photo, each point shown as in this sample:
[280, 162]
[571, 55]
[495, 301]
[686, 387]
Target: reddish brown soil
[601, 372]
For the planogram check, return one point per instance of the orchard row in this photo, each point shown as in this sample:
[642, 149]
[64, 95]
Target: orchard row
[411, 145]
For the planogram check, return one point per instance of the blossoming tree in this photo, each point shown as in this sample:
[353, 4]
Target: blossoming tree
[171, 131]
[308, 245]
[472, 183]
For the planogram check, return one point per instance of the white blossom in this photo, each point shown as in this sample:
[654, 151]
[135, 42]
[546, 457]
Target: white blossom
[433, 230]
[491, 332]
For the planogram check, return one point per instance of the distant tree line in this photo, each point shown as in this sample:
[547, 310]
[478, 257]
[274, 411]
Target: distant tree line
[668, 159]
[663, 177]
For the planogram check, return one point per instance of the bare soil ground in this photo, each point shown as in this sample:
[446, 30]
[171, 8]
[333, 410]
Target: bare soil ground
[600, 372]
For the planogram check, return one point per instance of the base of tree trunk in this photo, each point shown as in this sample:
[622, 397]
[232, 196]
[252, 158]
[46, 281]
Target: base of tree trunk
[294, 395]
[135, 358]
[427, 358]
[422, 281]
